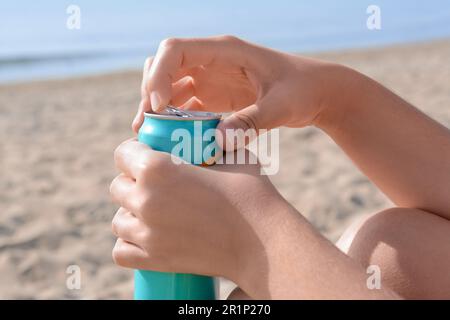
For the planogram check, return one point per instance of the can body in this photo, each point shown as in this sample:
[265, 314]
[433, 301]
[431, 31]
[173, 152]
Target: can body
[162, 133]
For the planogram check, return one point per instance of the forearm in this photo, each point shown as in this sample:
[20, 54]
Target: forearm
[298, 263]
[403, 151]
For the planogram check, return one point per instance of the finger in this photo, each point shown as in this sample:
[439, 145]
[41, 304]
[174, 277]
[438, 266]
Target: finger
[182, 91]
[252, 120]
[122, 190]
[185, 72]
[131, 157]
[193, 104]
[128, 255]
[176, 54]
[147, 64]
[144, 105]
[126, 226]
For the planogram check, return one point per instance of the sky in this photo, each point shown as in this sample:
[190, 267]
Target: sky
[124, 32]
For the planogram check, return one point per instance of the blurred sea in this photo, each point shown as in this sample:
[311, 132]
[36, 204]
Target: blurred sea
[35, 42]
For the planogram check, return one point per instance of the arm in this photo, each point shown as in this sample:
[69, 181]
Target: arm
[403, 151]
[302, 264]
[254, 237]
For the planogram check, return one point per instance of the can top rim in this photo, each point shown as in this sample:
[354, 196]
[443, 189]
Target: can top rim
[193, 115]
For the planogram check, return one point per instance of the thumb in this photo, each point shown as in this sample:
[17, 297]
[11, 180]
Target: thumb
[237, 130]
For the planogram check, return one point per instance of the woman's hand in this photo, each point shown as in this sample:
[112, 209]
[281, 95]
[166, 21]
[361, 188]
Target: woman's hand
[190, 219]
[209, 220]
[265, 88]
[225, 220]
[393, 143]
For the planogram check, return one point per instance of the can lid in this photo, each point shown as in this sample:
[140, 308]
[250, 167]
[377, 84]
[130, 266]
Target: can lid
[172, 113]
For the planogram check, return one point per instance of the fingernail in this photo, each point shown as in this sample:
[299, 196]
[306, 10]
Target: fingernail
[155, 101]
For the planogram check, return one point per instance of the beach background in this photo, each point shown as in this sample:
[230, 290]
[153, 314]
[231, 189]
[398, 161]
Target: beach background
[67, 98]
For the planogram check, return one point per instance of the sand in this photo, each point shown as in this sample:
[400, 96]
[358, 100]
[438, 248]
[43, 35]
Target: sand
[56, 144]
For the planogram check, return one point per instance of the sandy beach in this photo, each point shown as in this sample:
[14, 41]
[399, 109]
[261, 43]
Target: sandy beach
[57, 139]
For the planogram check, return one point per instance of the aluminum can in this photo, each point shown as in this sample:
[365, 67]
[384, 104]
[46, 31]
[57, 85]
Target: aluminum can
[164, 132]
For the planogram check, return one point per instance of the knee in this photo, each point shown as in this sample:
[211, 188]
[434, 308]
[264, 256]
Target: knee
[410, 248]
[372, 238]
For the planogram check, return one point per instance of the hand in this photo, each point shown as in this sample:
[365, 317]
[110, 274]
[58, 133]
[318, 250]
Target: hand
[265, 88]
[190, 219]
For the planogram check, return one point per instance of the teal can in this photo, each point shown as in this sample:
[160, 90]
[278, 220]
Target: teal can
[162, 133]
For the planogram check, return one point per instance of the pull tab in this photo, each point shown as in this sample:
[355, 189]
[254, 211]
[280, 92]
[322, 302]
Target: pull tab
[177, 112]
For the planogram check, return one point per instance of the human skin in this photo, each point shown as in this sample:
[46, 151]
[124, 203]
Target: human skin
[241, 228]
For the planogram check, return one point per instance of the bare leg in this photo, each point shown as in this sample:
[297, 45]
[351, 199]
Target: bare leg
[411, 247]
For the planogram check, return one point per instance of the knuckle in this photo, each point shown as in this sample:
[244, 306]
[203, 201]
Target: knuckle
[114, 225]
[143, 165]
[156, 253]
[148, 63]
[119, 258]
[144, 86]
[112, 186]
[157, 164]
[118, 152]
[118, 255]
[229, 38]
[248, 121]
[142, 168]
[170, 43]
[142, 203]
[144, 236]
